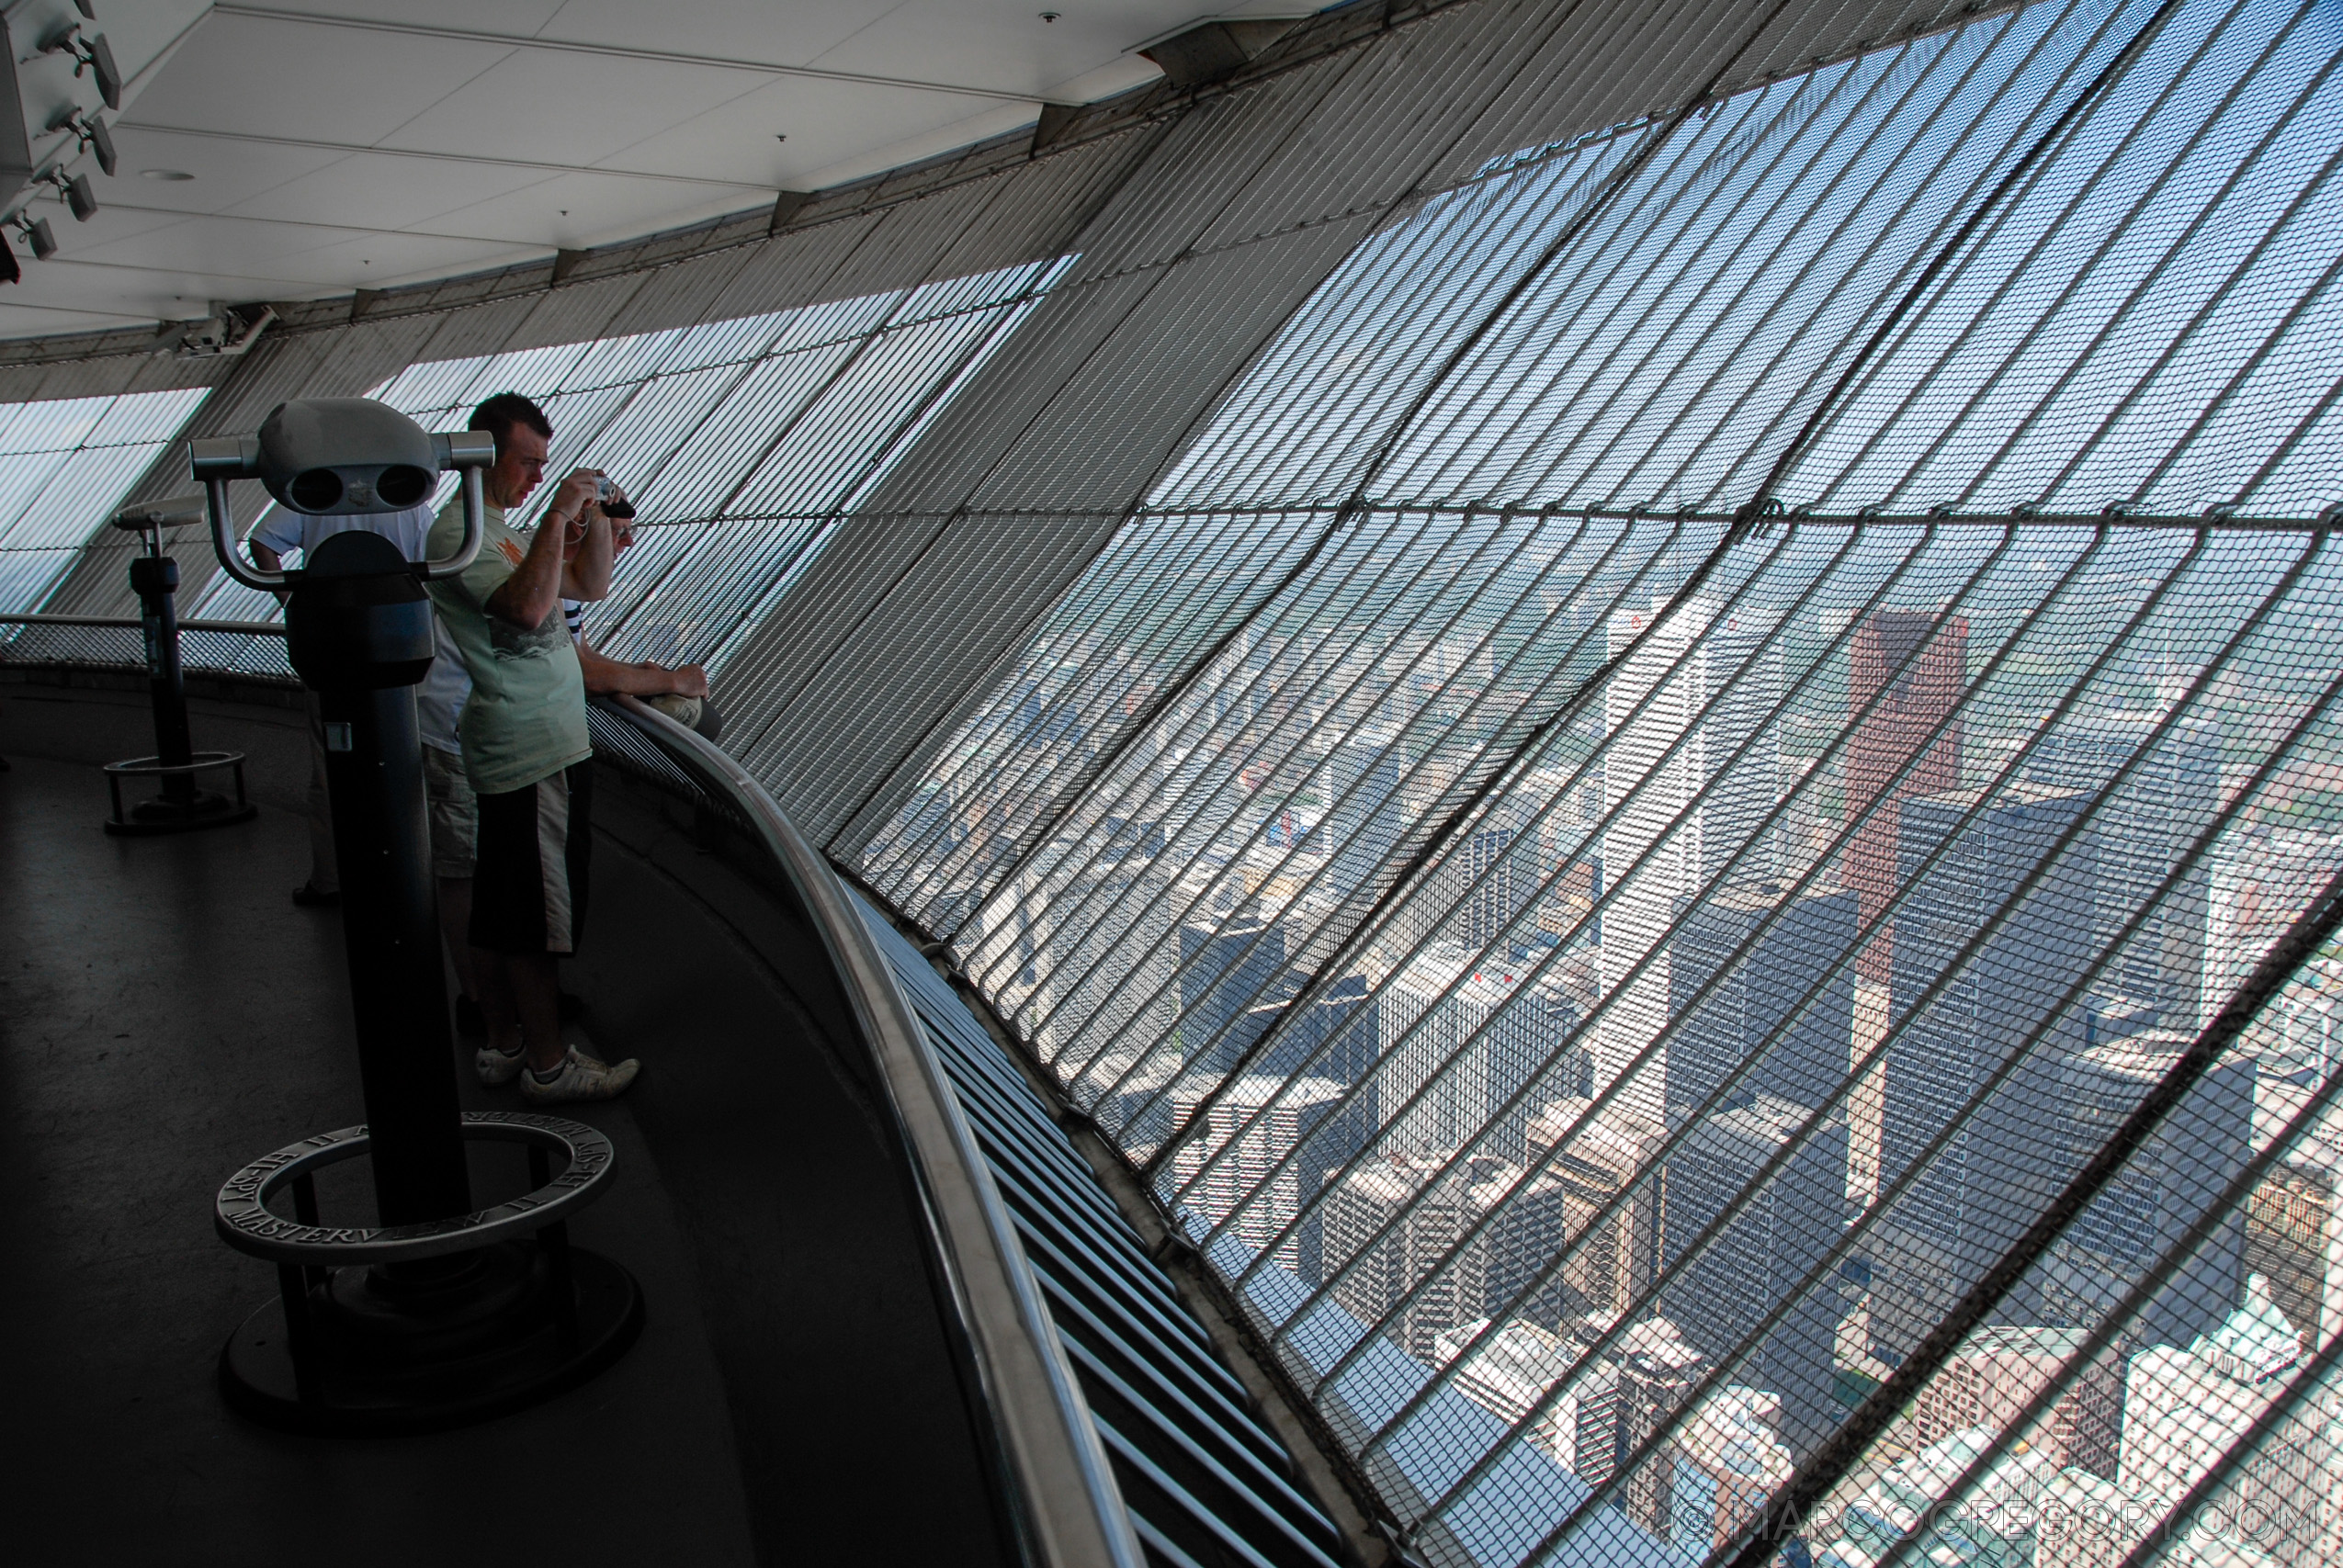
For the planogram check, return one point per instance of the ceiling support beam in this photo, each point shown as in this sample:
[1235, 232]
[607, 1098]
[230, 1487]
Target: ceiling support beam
[615, 51]
[479, 158]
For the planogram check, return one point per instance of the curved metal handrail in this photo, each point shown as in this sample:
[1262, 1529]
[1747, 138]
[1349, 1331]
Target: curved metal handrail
[131, 623]
[1071, 1513]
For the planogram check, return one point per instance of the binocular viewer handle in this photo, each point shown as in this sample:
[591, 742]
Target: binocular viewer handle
[219, 460]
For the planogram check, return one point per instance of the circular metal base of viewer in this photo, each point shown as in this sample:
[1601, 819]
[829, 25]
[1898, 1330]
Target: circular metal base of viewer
[193, 809]
[507, 1327]
[164, 815]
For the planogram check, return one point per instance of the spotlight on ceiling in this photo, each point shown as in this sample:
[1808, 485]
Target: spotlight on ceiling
[44, 241]
[92, 132]
[90, 51]
[76, 191]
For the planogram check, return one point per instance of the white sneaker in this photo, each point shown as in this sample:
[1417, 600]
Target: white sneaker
[581, 1077]
[495, 1068]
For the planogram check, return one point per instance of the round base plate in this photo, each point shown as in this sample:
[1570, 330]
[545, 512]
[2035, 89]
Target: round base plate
[149, 818]
[368, 1383]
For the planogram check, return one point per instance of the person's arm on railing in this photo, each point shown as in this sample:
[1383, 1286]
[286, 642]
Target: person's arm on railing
[609, 676]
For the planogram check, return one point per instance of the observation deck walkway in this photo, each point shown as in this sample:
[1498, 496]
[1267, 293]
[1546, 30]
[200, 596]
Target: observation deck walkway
[803, 1391]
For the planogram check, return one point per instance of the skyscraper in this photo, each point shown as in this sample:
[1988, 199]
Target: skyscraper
[1601, 1158]
[1436, 1200]
[1227, 968]
[1712, 675]
[2185, 1409]
[1657, 1369]
[1253, 1129]
[2257, 885]
[2146, 827]
[1729, 1460]
[1916, 662]
[1366, 816]
[1995, 1374]
[2165, 1192]
[1749, 1015]
[2002, 1161]
[1773, 1236]
[1108, 982]
[1469, 1050]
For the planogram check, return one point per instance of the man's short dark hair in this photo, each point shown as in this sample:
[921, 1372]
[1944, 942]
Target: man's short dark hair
[500, 413]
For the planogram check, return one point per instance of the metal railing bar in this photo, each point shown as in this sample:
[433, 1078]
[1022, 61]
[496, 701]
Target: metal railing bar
[131, 623]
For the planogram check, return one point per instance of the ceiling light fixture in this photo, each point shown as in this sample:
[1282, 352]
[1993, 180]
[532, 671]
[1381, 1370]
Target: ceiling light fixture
[91, 132]
[165, 176]
[1051, 16]
[44, 240]
[74, 190]
[91, 53]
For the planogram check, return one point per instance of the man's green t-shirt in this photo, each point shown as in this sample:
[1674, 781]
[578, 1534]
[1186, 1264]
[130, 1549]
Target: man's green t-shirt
[526, 718]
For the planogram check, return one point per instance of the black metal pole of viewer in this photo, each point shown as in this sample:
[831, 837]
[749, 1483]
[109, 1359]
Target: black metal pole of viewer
[181, 807]
[439, 1314]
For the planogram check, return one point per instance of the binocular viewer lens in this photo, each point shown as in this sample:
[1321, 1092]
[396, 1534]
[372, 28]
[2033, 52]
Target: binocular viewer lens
[321, 489]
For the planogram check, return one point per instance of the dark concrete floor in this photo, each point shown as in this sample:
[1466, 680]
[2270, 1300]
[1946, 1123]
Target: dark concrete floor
[165, 1016]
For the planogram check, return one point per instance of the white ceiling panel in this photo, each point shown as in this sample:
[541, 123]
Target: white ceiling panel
[542, 106]
[329, 145]
[296, 80]
[521, 17]
[826, 122]
[758, 30]
[28, 321]
[228, 171]
[579, 210]
[1001, 44]
[369, 190]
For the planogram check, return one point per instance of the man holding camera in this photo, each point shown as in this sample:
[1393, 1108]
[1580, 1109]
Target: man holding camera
[525, 750]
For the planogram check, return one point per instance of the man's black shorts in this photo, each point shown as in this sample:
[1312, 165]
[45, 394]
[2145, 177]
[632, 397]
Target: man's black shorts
[529, 882]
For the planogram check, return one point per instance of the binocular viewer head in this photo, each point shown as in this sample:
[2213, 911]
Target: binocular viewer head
[339, 458]
[343, 457]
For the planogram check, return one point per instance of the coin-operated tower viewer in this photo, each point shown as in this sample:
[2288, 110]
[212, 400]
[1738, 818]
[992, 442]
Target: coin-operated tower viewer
[440, 1313]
